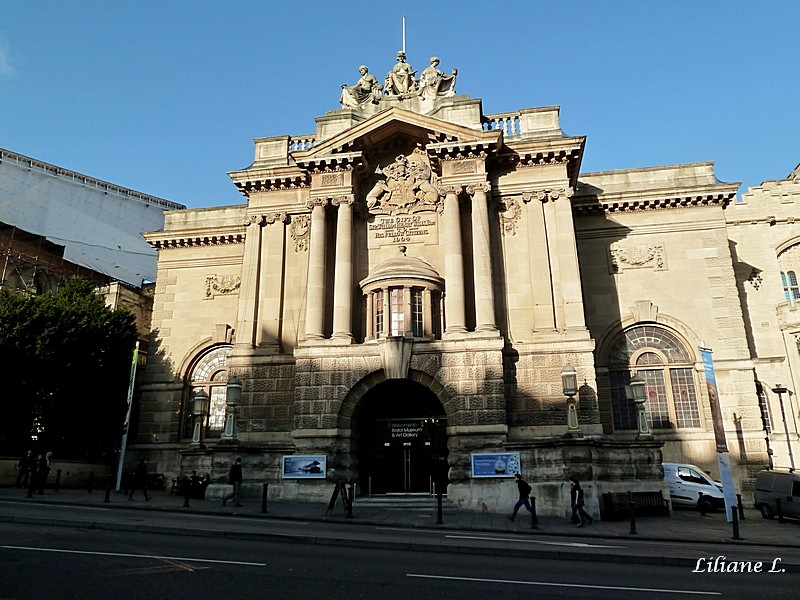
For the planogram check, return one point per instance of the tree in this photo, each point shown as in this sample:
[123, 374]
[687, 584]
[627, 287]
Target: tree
[67, 357]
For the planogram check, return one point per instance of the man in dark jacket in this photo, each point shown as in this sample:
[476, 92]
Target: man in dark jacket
[45, 463]
[524, 492]
[139, 479]
[26, 466]
[235, 479]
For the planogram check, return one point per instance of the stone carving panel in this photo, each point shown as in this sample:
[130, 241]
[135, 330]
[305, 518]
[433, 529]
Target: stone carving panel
[222, 285]
[637, 257]
[300, 232]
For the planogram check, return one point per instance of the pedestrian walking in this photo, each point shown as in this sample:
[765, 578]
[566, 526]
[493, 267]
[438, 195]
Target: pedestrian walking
[26, 466]
[524, 489]
[579, 515]
[234, 479]
[139, 479]
[45, 464]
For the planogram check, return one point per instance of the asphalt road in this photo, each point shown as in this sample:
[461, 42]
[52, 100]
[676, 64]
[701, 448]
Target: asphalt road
[61, 562]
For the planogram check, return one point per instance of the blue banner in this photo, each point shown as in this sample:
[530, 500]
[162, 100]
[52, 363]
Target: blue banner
[495, 464]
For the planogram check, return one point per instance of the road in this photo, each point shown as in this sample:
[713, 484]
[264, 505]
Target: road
[66, 563]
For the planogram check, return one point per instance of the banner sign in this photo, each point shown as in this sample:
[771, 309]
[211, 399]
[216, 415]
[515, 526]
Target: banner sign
[495, 465]
[304, 466]
[713, 398]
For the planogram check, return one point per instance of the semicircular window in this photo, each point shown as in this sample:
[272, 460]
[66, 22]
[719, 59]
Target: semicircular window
[209, 373]
[667, 367]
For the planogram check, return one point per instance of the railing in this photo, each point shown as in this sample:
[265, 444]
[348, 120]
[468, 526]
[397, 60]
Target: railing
[301, 142]
[508, 123]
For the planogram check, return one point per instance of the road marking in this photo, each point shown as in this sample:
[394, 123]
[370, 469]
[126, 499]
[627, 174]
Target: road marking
[529, 541]
[124, 555]
[565, 585]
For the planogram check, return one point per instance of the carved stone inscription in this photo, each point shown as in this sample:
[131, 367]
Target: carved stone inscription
[403, 229]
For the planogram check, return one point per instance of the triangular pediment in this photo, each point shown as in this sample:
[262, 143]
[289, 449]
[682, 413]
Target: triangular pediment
[394, 124]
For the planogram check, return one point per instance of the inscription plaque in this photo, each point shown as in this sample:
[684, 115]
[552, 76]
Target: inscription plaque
[403, 229]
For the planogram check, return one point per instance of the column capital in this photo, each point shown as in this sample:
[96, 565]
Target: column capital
[347, 199]
[279, 217]
[446, 190]
[474, 188]
[313, 202]
[548, 194]
[253, 220]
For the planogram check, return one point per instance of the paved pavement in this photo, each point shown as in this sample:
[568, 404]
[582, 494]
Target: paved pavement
[683, 525]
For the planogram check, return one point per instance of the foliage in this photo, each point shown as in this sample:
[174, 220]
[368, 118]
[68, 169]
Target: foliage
[67, 360]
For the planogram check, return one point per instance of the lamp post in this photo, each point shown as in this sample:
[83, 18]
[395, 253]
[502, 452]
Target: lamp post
[780, 390]
[569, 383]
[199, 410]
[635, 390]
[233, 397]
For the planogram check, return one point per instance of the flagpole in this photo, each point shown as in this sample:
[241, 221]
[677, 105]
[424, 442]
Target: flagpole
[123, 444]
[404, 35]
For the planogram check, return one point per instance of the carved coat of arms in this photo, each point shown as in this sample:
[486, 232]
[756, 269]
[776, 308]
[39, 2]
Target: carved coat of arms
[409, 185]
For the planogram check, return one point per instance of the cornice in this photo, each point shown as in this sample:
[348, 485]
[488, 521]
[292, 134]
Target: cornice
[653, 200]
[329, 162]
[222, 236]
[457, 150]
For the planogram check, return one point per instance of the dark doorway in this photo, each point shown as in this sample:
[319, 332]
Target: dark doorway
[402, 440]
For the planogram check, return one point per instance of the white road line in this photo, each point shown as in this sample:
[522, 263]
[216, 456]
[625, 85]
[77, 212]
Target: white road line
[566, 585]
[123, 555]
[530, 541]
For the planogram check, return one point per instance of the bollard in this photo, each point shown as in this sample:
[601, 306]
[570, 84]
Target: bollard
[58, 480]
[439, 520]
[534, 520]
[347, 498]
[735, 515]
[779, 509]
[740, 506]
[631, 506]
[91, 481]
[187, 491]
[264, 498]
[109, 485]
[701, 505]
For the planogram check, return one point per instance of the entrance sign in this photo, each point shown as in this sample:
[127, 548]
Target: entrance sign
[495, 465]
[408, 430]
[305, 466]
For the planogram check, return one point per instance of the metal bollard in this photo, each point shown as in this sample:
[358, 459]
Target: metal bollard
[264, 497]
[109, 485]
[187, 491]
[740, 506]
[91, 482]
[779, 509]
[735, 515]
[631, 506]
[701, 505]
[534, 520]
[439, 520]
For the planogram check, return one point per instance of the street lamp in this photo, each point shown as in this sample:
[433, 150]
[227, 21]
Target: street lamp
[635, 390]
[199, 410]
[233, 397]
[569, 383]
[780, 390]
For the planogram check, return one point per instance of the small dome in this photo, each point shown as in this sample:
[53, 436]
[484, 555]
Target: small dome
[403, 267]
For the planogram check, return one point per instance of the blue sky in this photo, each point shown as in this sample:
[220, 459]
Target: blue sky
[166, 97]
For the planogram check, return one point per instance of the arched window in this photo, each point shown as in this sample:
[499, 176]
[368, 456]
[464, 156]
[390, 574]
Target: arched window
[662, 360]
[791, 289]
[209, 373]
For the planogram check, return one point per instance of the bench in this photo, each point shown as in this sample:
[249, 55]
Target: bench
[617, 505]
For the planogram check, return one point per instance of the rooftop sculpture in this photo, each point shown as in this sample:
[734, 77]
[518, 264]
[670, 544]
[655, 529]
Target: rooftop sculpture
[400, 83]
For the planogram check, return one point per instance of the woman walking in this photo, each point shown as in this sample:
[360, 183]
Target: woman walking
[579, 515]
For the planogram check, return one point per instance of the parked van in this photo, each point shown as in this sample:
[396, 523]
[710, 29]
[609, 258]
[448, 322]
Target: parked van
[778, 484]
[690, 486]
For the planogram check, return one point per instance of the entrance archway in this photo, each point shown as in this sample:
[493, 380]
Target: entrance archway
[402, 439]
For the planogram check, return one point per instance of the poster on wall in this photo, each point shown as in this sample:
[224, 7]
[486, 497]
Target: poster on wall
[502, 464]
[304, 466]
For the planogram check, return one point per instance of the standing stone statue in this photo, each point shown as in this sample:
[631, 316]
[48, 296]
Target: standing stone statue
[366, 89]
[400, 80]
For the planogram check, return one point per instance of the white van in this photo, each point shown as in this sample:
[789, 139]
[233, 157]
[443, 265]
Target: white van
[778, 484]
[690, 486]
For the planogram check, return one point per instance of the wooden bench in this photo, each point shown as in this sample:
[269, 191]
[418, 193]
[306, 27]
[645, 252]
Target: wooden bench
[617, 505]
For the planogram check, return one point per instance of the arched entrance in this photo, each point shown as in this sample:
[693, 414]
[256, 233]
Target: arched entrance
[402, 441]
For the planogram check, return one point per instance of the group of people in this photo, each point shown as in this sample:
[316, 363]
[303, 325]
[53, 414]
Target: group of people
[579, 516]
[32, 471]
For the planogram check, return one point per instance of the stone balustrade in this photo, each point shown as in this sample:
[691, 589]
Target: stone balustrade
[299, 143]
[509, 123]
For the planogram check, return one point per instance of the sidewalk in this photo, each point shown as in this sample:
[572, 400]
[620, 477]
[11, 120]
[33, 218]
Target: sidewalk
[683, 525]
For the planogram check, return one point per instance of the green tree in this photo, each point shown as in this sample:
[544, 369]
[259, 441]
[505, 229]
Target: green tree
[67, 360]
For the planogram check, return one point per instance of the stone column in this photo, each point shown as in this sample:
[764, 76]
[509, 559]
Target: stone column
[427, 314]
[544, 319]
[247, 317]
[370, 333]
[315, 301]
[408, 329]
[482, 257]
[271, 281]
[343, 273]
[571, 288]
[453, 265]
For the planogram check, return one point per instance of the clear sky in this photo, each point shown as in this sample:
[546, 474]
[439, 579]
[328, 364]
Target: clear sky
[165, 97]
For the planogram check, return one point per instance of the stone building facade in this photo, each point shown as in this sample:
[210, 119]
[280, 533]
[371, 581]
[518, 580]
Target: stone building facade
[403, 289]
